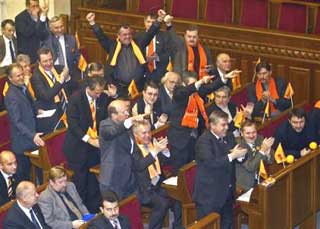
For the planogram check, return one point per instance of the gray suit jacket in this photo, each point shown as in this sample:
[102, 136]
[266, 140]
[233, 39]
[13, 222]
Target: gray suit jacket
[246, 170]
[3, 47]
[53, 209]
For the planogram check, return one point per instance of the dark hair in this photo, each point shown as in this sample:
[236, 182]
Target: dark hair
[247, 123]
[192, 28]
[186, 75]
[110, 196]
[5, 22]
[124, 26]
[28, 2]
[151, 15]
[43, 51]
[216, 115]
[95, 66]
[297, 112]
[262, 65]
[11, 67]
[93, 81]
[151, 84]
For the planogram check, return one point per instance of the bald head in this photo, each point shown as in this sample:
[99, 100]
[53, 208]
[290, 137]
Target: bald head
[8, 162]
[118, 110]
[26, 194]
[223, 62]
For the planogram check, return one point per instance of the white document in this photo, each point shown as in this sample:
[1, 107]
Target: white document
[171, 181]
[246, 196]
[46, 114]
[36, 152]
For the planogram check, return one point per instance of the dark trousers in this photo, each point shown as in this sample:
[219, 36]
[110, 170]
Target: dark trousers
[86, 182]
[24, 166]
[225, 211]
[181, 157]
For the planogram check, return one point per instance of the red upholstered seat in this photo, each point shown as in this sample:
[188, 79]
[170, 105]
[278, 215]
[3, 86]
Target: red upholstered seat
[190, 175]
[293, 18]
[317, 29]
[130, 207]
[240, 97]
[219, 11]
[54, 149]
[5, 131]
[185, 8]
[150, 6]
[254, 13]
[269, 130]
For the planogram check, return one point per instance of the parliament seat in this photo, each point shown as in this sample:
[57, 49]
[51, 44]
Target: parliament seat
[293, 17]
[5, 131]
[185, 8]
[49, 155]
[254, 13]
[240, 96]
[214, 12]
[317, 23]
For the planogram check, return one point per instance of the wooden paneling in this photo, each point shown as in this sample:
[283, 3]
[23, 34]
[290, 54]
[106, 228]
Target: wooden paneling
[300, 78]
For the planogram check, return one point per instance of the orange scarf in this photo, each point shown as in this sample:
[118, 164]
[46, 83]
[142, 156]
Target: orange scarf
[203, 60]
[190, 118]
[317, 105]
[153, 169]
[273, 91]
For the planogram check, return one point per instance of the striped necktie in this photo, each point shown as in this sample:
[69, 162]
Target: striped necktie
[10, 187]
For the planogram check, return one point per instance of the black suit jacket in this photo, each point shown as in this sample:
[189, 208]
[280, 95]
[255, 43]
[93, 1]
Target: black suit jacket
[3, 47]
[30, 34]
[162, 49]
[79, 120]
[178, 135]
[4, 189]
[217, 75]
[232, 108]
[109, 46]
[16, 219]
[165, 100]
[214, 170]
[101, 222]
[259, 106]
[21, 113]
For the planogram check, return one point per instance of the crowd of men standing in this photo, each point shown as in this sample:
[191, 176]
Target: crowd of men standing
[104, 126]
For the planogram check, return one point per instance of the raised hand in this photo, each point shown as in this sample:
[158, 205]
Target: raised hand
[233, 74]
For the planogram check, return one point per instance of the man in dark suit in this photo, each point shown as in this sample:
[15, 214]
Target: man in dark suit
[157, 52]
[116, 146]
[295, 134]
[259, 148]
[149, 103]
[169, 82]
[85, 111]
[31, 26]
[215, 177]
[63, 46]
[126, 61]
[52, 87]
[25, 213]
[267, 89]
[8, 44]
[21, 113]
[8, 178]
[110, 210]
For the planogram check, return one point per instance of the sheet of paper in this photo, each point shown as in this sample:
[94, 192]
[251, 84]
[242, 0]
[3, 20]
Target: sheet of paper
[246, 196]
[46, 114]
[36, 152]
[171, 181]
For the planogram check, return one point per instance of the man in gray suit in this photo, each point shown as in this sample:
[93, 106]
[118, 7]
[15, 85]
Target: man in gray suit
[8, 44]
[60, 203]
[259, 148]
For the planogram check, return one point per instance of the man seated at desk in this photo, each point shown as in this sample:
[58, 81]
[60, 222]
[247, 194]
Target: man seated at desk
[259, 148]
[295, 134]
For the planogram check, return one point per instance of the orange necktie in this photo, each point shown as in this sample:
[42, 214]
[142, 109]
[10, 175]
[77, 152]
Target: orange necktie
[93, 115]
[150, 53]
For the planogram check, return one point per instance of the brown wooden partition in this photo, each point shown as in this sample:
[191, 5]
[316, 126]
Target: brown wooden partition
[292, 200]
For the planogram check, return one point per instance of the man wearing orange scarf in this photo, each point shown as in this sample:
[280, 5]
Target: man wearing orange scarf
[126, 61]
[187, 115]
[267, 89]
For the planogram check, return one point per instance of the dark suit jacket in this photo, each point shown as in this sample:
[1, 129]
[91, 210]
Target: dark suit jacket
[116, 170]
[22, 120]
[4, 189]
[314, 117]
[72, 51]
[101, 222]
[232, 108]
[79, 120]
[30, 34]
[165, 100]
[109, 46]
[259, 106]
[217, 75]
[45, 98]
[162, 49]
[16, 219]
[3, 47]
[246, 170]
[214, 170]
[178, 135]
